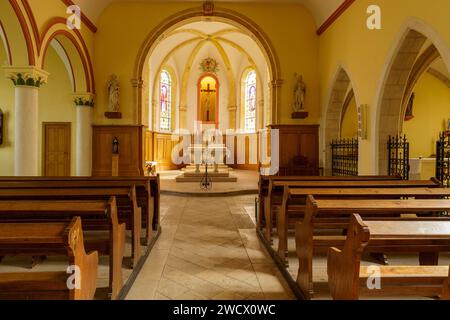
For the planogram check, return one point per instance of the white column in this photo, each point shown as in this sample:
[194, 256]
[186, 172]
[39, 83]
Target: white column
[26, 131]
[84, 138]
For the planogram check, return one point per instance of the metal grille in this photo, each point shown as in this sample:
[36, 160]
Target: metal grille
[398, 150]
[443, 159]
[344, 157]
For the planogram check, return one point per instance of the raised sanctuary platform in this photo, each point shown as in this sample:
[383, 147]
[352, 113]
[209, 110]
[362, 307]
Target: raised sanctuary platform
[208, 161]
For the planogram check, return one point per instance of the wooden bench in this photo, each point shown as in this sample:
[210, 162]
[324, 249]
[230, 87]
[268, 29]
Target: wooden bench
[48, 285]
[336, 214]
[95, 215]
[147, 192]
[289, 214]
[348, 280]
[277, 188]
[265, 186]
[128, 210]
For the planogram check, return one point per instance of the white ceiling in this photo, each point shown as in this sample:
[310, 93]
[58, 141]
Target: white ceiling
[320, 9]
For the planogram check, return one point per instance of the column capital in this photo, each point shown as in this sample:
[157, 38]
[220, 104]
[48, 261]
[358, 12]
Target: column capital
[232, 108]
[183, 108]
[29, 76]
[85, 99]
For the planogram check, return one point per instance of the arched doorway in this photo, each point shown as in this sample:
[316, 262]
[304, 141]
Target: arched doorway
[341, 98]
[412, 53]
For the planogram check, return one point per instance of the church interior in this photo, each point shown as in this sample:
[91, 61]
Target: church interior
[224, 150]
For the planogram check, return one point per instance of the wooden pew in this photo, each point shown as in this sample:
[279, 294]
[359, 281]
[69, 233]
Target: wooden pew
[126, 202]
[289, 214]
[336, 214]
[280, 186]
[265, 186]
[348, 280]
[48, 285]
[147, 190]
[95, 215]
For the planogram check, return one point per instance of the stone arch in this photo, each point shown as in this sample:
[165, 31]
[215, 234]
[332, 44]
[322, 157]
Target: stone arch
[198, 14]
[397, 71]
[340, 88]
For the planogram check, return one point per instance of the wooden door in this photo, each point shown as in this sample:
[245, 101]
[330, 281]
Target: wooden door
[56, 149]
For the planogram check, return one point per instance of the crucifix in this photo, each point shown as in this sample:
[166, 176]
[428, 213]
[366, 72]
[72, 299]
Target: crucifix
[208, 92]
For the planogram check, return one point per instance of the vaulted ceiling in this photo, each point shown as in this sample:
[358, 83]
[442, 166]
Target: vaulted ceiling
[320, 9]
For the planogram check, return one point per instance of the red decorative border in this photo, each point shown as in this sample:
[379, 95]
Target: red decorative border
[86, 59]
[84, 18]
[8, 48]
[339, 11]
[199, 103]
[25, 30]
[71, 66]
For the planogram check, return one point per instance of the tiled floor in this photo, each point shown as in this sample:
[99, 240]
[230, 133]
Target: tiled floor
[209, 250]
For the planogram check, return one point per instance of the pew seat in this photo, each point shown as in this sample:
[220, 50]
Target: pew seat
[48, 285]
[386, 214]
[348, 280]
[99, 217]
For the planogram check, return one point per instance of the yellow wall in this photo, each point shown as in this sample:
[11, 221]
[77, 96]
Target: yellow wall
[349, 126]
[7, 106]
[431, 111]
[365, 52]
[123, 28]
[56, 100]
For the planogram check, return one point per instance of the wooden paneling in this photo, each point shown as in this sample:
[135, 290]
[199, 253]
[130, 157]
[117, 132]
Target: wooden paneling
[148, 146]
[162, 151]
[299, 149]
[130, 150]
[56, 144]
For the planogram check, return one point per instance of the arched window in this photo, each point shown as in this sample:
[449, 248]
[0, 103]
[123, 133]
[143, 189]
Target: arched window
[250, 102]
[165, 102]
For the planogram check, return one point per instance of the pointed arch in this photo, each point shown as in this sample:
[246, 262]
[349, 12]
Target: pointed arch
[339, 90]
[393, 83]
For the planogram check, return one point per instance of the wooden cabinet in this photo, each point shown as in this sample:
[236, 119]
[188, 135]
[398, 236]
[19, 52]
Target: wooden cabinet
[299, 149]
[130, 150]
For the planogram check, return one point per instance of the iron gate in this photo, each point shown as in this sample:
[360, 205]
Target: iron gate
[443, 159]
[345, 156]
[398, 150]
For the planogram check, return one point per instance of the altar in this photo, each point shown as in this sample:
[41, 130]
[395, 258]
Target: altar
[207, 159]
[422, 168]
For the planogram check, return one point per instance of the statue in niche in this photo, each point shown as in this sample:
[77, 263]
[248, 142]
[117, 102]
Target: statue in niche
[113, 94]
[299, 93]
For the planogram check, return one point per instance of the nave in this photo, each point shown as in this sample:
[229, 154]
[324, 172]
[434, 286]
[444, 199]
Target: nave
[209, 249]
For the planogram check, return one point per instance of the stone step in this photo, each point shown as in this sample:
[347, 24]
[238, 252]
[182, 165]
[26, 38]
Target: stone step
[183, 179]
[193, 174]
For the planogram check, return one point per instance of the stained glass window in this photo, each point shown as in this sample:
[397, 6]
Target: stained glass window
[165, 101]
[250, 102]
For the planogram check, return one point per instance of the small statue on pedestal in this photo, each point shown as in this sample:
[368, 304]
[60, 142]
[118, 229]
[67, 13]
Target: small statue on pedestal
[299, 98]
[113, 87]
[115, 149]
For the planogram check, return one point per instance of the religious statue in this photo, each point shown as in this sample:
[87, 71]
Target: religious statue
[113, 94]
[115, 149]
[299, 94]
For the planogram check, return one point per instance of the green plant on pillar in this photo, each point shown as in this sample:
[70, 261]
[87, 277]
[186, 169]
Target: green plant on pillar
[84, 102]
